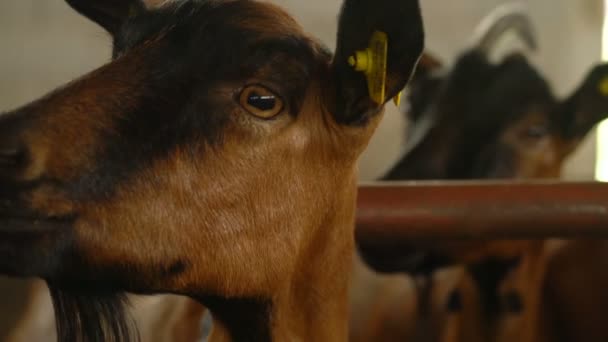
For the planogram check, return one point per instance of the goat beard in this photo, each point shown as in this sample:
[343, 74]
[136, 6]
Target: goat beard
[82, 316]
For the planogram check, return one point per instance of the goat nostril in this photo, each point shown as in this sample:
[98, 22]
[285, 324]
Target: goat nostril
[11, 157]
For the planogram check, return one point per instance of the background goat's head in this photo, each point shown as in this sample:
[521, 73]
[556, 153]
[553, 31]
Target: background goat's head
[213, 157]
[503, 122]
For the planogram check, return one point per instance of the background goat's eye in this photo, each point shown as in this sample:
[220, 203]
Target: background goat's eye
[261, 102]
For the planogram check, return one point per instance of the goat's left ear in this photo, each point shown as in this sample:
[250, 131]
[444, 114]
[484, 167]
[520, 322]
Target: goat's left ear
[363, 26]
[109, 14]
[586, 107]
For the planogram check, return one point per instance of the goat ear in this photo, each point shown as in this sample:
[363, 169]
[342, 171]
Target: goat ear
[399, 23]
[109, 14]
[586, 107]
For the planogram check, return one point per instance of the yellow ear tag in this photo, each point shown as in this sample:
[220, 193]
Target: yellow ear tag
[397, 99]
[372, 62]
[603, 86]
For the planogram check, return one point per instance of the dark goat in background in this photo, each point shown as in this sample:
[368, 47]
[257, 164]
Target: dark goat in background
[484, 120]
[488, 121]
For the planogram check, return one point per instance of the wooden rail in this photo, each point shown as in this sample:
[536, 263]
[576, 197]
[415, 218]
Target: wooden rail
[404, 211]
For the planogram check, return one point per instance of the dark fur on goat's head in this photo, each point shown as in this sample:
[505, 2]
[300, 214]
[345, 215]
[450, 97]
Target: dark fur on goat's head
[484, 114]
[495, 120]
[214, 157]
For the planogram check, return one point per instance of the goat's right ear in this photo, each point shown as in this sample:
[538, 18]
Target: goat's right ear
[109, 14]
[400, 24]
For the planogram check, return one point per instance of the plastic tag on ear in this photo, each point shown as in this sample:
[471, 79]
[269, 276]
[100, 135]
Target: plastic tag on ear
[397, 99]
[372, 62]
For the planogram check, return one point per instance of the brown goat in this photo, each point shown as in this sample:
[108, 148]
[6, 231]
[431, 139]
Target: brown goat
[214, 157]
[556, 293]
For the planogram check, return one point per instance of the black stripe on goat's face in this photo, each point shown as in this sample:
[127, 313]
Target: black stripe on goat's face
[501, 111]
[157, 159]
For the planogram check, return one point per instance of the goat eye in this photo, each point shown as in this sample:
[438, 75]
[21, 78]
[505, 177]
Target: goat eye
[261, 102]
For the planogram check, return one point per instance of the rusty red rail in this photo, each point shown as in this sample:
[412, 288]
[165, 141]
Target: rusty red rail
[406, 211]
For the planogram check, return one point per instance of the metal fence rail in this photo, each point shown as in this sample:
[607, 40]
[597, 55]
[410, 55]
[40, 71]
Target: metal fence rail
[388, 213]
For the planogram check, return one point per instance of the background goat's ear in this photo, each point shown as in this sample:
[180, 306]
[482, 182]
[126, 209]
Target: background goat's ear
[401, 21]
[109, 14]
[586, 107]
